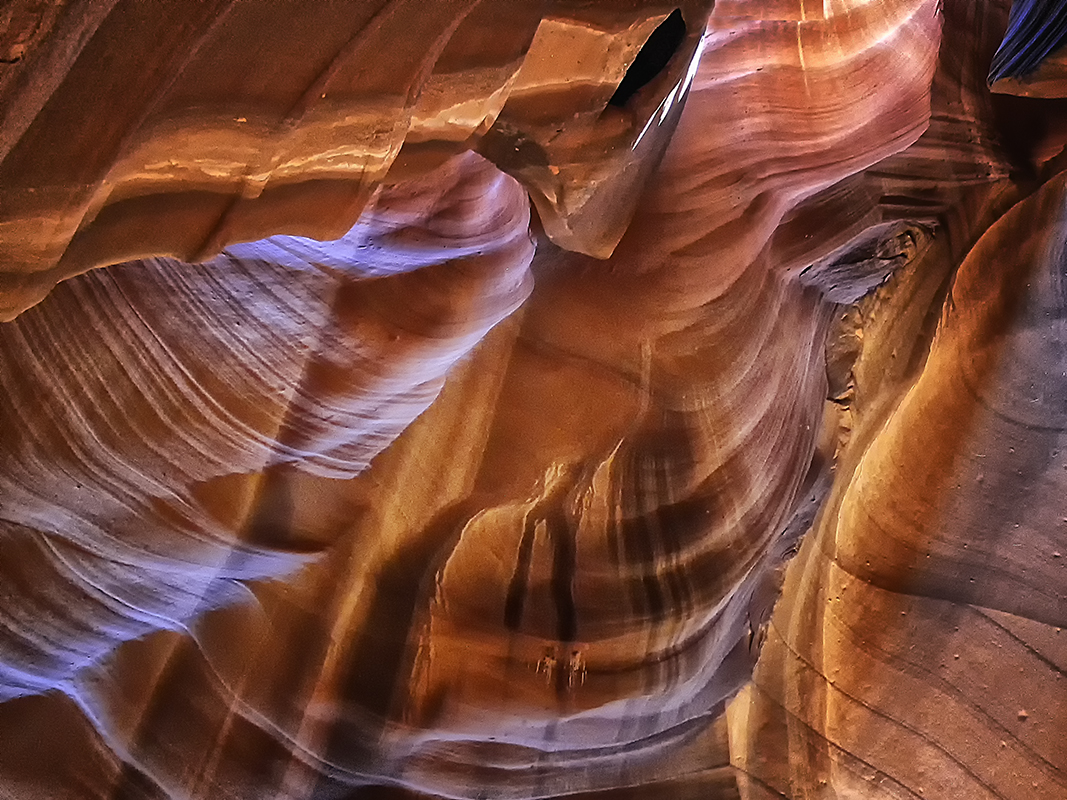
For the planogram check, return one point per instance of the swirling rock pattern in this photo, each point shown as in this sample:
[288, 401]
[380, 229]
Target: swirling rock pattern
[129, 451]
[734, 471]
[247, 119]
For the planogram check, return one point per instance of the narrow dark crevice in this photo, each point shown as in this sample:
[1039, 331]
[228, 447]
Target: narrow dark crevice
[655, 54]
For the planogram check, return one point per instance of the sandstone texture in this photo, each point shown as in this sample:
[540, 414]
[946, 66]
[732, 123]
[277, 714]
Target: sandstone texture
[603, 399]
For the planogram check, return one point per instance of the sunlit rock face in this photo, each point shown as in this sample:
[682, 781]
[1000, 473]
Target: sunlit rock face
[678, 413]
[238, 119]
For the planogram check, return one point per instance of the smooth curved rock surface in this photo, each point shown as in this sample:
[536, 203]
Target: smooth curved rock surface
[697, 443]
[950, 533]
[249, 119]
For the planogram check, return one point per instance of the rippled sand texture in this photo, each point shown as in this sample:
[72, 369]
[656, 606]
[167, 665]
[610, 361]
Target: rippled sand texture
[496, 495]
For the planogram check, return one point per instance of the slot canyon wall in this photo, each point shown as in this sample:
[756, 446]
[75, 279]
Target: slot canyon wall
[528, 399]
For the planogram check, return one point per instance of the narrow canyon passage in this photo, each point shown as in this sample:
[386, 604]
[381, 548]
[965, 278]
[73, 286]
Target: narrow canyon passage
[490, 399]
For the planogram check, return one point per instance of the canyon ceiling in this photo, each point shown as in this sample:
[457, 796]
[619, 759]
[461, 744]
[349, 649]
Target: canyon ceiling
[533, 398]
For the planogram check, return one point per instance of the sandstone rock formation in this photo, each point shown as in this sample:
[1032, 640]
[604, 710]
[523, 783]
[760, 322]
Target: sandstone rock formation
[669, 403]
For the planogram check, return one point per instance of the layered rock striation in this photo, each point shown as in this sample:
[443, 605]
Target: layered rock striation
[669, 402]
